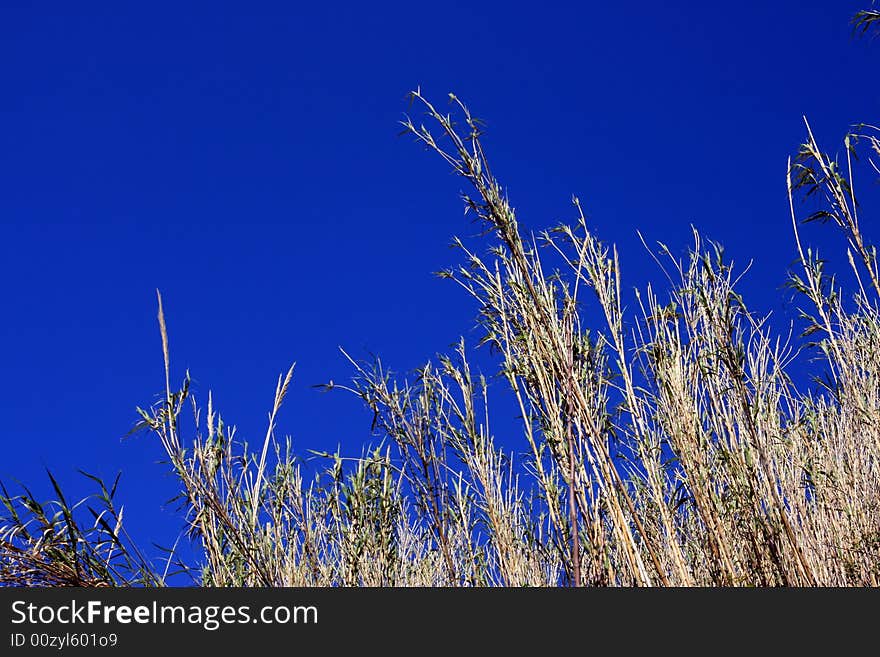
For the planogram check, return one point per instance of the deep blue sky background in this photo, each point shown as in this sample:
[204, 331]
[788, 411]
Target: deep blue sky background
[244, 159]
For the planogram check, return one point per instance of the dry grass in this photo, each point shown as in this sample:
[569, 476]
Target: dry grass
[670, 448]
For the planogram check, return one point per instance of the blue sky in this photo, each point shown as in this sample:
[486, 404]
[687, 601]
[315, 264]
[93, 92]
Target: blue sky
[245, 160]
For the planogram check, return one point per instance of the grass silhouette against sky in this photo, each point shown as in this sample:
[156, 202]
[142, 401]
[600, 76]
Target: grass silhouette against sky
[248, 165]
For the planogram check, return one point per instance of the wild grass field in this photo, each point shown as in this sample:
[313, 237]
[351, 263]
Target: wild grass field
[663, 439]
